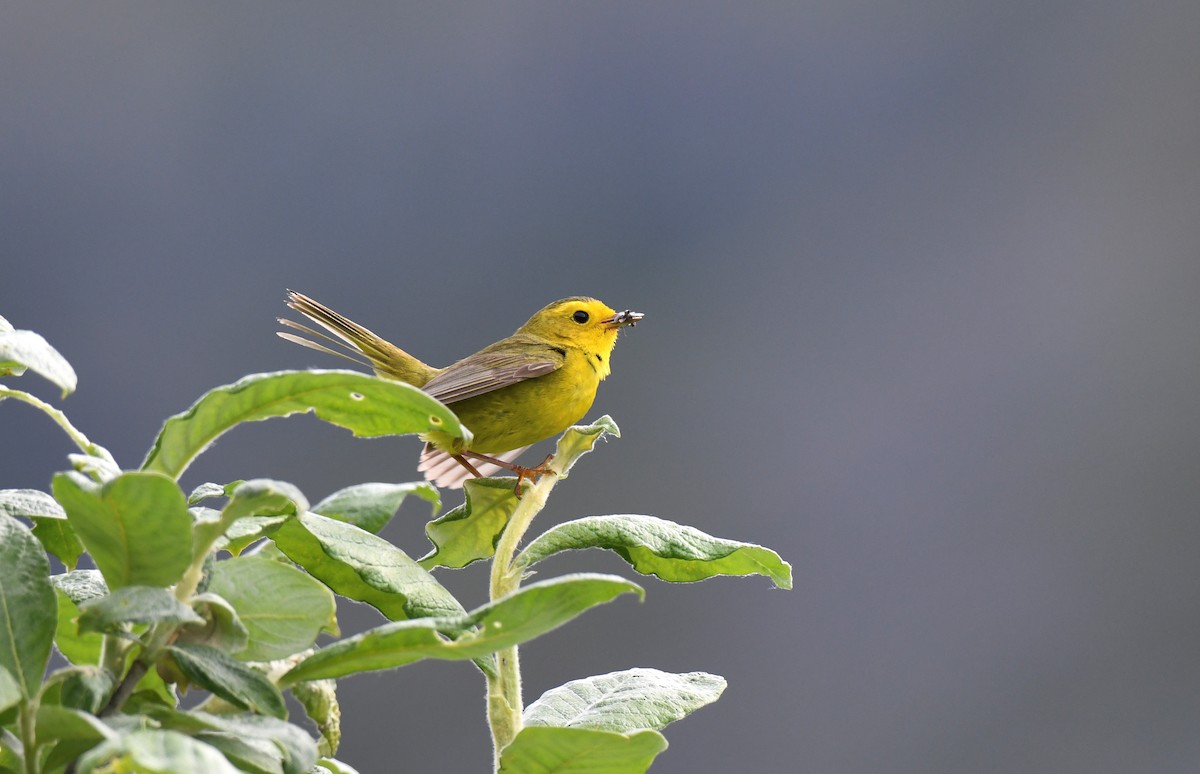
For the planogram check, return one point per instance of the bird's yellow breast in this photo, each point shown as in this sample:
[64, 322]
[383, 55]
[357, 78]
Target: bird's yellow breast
[526, 412]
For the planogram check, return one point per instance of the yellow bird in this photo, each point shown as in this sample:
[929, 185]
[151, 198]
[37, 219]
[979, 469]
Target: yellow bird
[523, 389]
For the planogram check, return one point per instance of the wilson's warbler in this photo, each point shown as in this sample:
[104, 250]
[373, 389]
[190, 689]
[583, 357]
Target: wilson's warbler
[523, 389]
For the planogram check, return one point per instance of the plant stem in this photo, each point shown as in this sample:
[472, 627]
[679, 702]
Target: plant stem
[504, 690]
[80, 440]
[28, 722]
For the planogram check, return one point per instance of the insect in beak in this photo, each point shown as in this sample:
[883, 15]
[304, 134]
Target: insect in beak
[623, 318]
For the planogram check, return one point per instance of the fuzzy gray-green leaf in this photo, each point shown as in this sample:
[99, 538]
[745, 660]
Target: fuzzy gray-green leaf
[136, 527]
[230, 679]
[371, 506]
[364, 567]
[26, 349]
[631, 700]
[282, 608]
[28, 614]
[511, 620]
[653, 546]
[365, 405]
[134, 604]
[469, 532]
[548, 750]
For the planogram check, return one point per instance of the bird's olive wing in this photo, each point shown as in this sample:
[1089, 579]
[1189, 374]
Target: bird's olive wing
[493, 369]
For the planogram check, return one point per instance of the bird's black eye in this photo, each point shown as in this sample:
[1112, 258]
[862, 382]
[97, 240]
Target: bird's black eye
[580, 317]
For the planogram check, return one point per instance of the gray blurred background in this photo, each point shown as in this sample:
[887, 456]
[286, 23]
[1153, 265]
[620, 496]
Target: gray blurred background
[921, 291]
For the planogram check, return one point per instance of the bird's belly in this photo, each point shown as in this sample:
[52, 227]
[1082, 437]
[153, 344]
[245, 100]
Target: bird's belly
[524, 413]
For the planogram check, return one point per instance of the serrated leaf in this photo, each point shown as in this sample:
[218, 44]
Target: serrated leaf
[230, 679]
[134, 604]
[516, 618]
[470, 531]
[364, 567]
[26, 349]
[653, 546]
[366, 405]
[27, 609]
[282, 608]
[155, 751]
[547, 750]
[581, 439]
[632, 700]
[371, 506]
[136, 527]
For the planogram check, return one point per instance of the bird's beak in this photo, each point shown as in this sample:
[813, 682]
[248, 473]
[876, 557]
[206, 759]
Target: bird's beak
[623, 318]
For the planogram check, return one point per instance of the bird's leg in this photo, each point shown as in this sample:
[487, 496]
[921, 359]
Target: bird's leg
[461, 460]
[522, 472]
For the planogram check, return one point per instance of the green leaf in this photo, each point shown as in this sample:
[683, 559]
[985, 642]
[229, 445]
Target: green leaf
[99, 466]
[50, 525]
[12, 760]
[282, 608]
[257, 756]
[27, 609]
[155, 751]
[78, 647]
[470, 531]
[55, 723]
[204, 492]
[10, 691]
[86, 688]
[516, 618]
[80, 585]
[261, 497]
[230, 679]
[297, 750]
[366, 405]
[673, 552]
[364, 567]
[371, 506]
[58, 538]
[581, 439]
[245, 532]
[334, 766]
[134, 604]
[547, 750]
[136, 527]
[25, 349]
[221, 627]
[29, 503]
[632, 700]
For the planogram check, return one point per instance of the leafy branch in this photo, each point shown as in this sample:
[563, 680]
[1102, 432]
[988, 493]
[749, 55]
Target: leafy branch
[229, 588]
